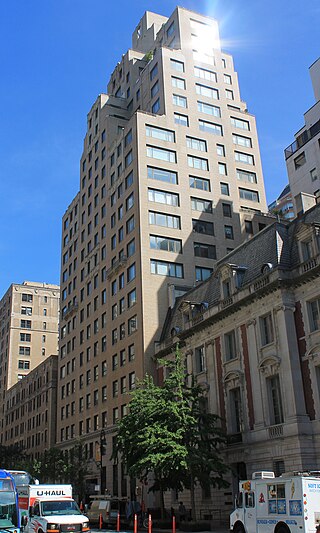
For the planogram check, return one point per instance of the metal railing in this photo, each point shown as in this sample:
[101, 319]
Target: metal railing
[302, 139]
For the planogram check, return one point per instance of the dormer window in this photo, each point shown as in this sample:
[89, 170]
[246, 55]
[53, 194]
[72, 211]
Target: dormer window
[307, 250]
[226, 288]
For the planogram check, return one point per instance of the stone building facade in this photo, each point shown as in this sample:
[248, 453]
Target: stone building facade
[251, 335]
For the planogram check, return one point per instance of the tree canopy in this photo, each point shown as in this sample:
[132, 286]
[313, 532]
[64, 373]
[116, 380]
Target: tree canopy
[169, 432]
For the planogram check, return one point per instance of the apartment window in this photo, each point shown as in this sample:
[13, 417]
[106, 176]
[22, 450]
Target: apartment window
[235, 410]
[248, 194]
[201, 226]
[162, 154]
[230, 345]
[132, 298]
[26, 297]
[128, 159]
[209, 109]
[131, 248]
[199, 183]
[130, 201]
[299, 160]
[198, 204]
[226, 210]
[115, 362]
[154, 72]
[132, 380]
[166, 244]
[155, 89]
[266, 329]
[123, 385]
[114, 336]
[248, 226]
[115, 388]
[180, 119]
[160, 133]
[24, 350]
[204, 250]
[178, 83]
[121, 281]
[275, 400]
[314, 314]
[26, 311]
[240, 124]
[227, 79]
[23, 365]
[132, 324]
[196, 144]
[203, 273]
[222, 168]
[25, 324]
[200, 361]
[229, 94]
[162, 175]
[130, 225]
[210, 127]
[25, 337]
[104, 368]
[228, 232]
[180, 101]
[156, 106]
[209, 92]
[164, 268]
[163, 197]
[164, 220]
[177, 65]
[198, 163]
[205, 74]
[244, 158]
[313, 174]
[122, 357]
[220, 150]
[115, 416]
[131, 272]
[129, 180]
[131, 352]
[240, 140]
[246, 176]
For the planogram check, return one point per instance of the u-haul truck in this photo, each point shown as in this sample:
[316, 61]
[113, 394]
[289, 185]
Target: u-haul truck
[52, 510]
[285, 504]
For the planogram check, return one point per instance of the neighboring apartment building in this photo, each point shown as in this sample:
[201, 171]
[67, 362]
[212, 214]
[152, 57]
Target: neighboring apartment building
[251, 335]
[170, 181]
[303, 155]
[29, 314]
[31, 410]
[283, 206]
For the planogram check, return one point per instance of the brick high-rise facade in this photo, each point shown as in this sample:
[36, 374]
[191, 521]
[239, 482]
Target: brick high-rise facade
[170, 181]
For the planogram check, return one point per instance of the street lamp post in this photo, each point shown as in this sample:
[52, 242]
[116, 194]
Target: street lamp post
[103, 443]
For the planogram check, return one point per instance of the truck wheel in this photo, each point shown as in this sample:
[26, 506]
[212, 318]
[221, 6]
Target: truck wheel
[283, 529]
[239, 529]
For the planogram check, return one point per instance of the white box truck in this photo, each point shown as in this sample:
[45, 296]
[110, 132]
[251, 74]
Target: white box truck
[52, 510]
[285, 504]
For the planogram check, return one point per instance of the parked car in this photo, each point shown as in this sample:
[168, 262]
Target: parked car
[108, 507]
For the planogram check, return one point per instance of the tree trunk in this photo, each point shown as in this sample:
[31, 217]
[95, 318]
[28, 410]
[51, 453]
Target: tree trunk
[162, 502]
[193, 503]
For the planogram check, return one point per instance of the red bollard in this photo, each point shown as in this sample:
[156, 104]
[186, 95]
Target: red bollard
[173, 524]
[100, 521]
[135, 524]
[149, 524]
[118, 522]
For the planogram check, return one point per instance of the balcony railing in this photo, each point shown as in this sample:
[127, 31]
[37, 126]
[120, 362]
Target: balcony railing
[276, 431]
[302, 139]
[235, 438]
[116, 266]
[309, 265]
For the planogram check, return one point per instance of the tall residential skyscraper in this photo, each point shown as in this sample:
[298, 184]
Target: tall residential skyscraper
[303, 155]
[29, 333]
[170, 180]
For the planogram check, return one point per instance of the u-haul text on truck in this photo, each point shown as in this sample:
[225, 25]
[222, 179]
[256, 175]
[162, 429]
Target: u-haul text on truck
[52, 509]
[285, 504]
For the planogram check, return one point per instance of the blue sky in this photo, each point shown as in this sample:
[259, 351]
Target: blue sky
[56, 57]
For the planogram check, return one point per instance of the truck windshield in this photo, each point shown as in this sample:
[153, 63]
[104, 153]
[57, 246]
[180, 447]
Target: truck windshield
[50, 508]
[8, 507]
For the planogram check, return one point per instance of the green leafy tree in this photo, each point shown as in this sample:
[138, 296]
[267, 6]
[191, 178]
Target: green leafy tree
[168, 432]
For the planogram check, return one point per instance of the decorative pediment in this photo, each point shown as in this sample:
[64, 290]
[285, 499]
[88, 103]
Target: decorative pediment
[233, 379]
[269, 366]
